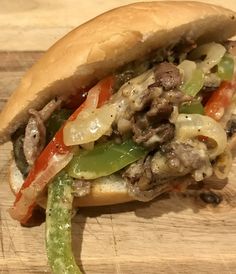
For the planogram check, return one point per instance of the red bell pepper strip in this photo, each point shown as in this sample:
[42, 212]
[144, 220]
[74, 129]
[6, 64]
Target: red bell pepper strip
[55, 148]
[220, 100]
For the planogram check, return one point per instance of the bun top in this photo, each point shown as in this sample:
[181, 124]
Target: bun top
[108, 41]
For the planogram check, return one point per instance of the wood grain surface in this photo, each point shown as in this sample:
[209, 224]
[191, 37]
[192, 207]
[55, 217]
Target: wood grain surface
[177, 234]
[37, 24]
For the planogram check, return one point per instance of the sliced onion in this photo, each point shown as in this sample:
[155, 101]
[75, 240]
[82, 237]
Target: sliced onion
[187, 68]
[213, 52]
[189, 126]
[30, 194]
[92, 98]
[89, 126]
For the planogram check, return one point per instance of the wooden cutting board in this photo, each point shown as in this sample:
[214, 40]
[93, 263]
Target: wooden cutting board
[169, 235]
[177, 234]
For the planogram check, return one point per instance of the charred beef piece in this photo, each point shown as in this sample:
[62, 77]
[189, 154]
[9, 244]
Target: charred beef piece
[167, 76]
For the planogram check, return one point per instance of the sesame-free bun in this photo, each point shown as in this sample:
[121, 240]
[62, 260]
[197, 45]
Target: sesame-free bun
[106, 191]
[106, 42]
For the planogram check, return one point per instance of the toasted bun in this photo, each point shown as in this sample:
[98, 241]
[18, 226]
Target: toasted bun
[112, 39]
[106, 192]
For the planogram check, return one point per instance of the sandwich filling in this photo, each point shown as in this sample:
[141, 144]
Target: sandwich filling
[154, 123]
[158, 124]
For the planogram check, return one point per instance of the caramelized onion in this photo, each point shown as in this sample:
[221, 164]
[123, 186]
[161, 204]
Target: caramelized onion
[213, 53]
[190, 126]
[89, 126]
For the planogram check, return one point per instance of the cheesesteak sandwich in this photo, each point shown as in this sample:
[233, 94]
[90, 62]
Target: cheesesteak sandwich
[137, 102]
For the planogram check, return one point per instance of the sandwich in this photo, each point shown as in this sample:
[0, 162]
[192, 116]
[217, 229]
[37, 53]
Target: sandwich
[137, 102]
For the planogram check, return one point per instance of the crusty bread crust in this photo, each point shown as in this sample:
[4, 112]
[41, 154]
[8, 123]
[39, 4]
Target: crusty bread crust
[101, 45]
[108, 192]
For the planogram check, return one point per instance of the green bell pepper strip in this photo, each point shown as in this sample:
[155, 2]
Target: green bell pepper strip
[195, 84]
[191, 108]
[58, 226]
[104, 159]
[226, 68]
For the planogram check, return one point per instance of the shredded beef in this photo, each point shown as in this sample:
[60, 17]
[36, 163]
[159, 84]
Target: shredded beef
[134, 172]
[35, 131]
[147, 108]
[158, 173]
[176, 97]
[187, 158]
[140, 181]
[181, 154]
[160, 108]
[35, 134]
[47, 111]
[150, 136]
[167, 76]
[151, 126]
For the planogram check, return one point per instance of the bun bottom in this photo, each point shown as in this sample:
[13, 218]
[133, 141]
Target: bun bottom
[109, 191]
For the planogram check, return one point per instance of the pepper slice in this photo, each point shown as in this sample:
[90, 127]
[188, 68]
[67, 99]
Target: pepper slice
[191, 108]
[220, 100]
[37, 180]
[195, 84]
[58, 226]
[104, 159]
[226, 68]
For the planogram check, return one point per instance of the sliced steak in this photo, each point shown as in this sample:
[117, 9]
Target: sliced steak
[183, 158]
[142, 184]
[160, 109]
[35, 131]
[150, 136]
[35, 136]
[167, 76]
[179, 154]
[176, 97]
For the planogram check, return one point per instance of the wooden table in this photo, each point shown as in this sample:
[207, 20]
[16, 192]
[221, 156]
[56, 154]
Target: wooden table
[168, 235]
